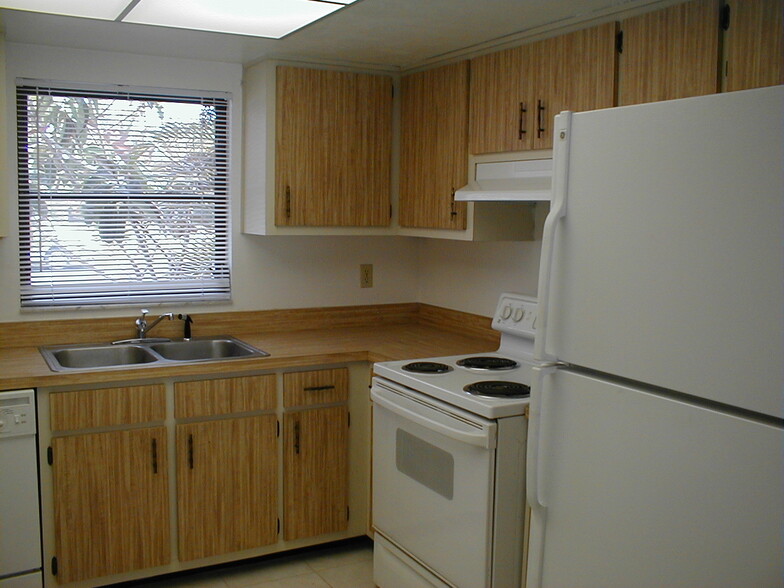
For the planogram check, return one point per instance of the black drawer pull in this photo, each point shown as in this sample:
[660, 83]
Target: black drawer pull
[318, 388]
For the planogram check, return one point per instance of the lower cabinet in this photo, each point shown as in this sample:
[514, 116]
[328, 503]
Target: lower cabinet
[315, 467]
[111, 503]
[315, 472]
[227, 485]
[260, 465]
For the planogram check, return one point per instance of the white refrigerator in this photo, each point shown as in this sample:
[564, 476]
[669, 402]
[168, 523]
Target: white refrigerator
[656, 452]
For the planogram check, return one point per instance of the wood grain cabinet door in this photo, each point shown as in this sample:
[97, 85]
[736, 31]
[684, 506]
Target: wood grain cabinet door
[434, 147]
[500, 101]
[516, 93]
[570, 72]
[111, 503]
[753, 44]
[333, 148]
[315, 484]
[227, 484]
[670, 53]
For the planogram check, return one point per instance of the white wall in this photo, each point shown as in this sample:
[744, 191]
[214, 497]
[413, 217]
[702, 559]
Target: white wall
[274, 272]
[470, 276]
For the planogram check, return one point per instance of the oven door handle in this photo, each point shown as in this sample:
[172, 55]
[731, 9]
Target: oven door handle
[482, 437]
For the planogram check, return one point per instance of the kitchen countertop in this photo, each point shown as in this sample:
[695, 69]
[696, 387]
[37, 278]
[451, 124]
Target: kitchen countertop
[416, 336]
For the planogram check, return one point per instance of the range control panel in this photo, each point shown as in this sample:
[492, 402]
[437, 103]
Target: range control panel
[17, 413]
[516, 315]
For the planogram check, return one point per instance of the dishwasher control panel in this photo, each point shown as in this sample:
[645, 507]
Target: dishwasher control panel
[17, 413]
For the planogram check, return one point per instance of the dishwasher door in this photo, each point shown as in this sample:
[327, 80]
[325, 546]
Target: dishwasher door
[20, 536]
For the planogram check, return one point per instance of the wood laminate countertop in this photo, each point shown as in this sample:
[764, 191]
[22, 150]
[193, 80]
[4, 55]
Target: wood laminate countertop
[419, 332]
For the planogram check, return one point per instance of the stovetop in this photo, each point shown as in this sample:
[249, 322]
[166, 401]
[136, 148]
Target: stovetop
[449, 386]
[446, 378]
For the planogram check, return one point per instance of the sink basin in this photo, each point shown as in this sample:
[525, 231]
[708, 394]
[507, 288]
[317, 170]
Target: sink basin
[200, 349]
[141, 353]
[102, 356]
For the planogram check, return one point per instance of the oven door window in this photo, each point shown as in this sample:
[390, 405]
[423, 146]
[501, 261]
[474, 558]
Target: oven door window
[433, 481]
[425, 463]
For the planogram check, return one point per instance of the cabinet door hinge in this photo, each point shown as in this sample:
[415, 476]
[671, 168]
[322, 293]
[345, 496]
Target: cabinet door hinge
[390, 211]
[619, 42]
[277, 428]
[724, 17]
[50, 455]
[349, 418]
[54, 566]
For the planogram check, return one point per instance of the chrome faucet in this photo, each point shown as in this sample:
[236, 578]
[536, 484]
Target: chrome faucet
[143, 327]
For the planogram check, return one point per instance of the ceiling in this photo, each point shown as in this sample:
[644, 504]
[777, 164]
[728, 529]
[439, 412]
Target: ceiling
[379, 34]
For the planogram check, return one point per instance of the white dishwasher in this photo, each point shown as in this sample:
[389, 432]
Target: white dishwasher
[20, 536]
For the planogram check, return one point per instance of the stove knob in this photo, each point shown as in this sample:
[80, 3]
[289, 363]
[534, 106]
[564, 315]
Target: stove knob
[518, 315]
[506, 312]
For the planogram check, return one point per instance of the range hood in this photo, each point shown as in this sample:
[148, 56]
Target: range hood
[509, 181]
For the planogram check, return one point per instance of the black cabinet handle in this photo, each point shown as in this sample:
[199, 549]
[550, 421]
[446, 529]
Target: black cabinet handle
[296, 437]
[539, 118]
[521, 123]
[154, 456]
[318, 388]
[190, 451]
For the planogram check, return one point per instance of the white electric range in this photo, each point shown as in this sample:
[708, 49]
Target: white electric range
[449, 448]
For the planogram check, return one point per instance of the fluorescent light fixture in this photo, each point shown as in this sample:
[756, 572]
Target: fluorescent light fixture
[262, 18]
[105, 9]
[258, 18]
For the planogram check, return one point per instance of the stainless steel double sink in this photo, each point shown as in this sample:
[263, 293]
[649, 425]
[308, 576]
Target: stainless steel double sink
[147, 353]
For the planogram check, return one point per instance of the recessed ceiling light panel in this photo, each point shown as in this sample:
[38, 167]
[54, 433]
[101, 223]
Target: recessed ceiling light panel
[259, 18]
[105, 9]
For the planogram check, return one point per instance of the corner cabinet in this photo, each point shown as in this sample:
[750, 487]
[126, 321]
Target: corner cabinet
[317, 151]
[434, 147]
[434, 164]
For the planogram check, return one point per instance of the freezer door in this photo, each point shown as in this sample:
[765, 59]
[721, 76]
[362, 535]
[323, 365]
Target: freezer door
[637, 489]
[667, 266]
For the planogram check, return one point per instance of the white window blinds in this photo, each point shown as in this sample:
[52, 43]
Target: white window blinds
[123, 197]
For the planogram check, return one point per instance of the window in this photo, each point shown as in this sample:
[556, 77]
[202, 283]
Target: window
[122, 197]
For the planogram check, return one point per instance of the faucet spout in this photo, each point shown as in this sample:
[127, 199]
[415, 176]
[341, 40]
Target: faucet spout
[143, 327]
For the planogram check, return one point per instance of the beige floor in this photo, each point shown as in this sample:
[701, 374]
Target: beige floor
[349, 566]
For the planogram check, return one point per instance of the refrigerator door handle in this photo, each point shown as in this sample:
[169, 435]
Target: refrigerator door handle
[534, 484]
[561, 142]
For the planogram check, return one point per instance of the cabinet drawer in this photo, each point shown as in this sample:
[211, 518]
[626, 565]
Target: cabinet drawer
[224, 396]
[107, 407]
[315, 387]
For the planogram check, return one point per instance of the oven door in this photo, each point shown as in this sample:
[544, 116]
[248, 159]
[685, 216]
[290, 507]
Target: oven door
[433, 472]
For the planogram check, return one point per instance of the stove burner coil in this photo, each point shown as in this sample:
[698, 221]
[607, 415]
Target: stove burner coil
[488, 363]
[498, 389]
[427, 367]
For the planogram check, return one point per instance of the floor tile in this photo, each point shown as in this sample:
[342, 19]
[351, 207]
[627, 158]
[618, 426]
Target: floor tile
[338, 556]
[355, 575]
[312, 580]
[257, 573]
